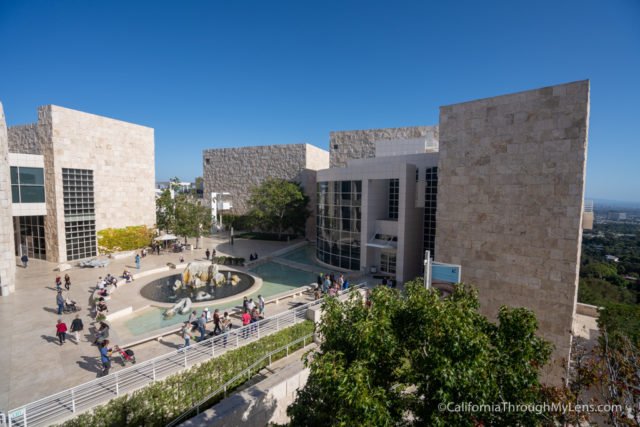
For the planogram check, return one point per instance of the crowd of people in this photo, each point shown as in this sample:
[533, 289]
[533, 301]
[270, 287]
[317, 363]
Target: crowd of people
[221, 324]
[329, 284]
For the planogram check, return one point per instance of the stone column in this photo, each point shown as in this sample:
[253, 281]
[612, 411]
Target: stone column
[7, 245]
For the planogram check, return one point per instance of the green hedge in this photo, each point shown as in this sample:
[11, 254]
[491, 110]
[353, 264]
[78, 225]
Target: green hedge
[259, 235]
[163, 401]
[238, 222]
[124, 239]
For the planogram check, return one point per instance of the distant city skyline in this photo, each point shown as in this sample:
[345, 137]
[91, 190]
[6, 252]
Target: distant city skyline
[225, 75]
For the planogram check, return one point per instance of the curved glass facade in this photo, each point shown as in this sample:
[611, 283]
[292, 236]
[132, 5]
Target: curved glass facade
[338, 223]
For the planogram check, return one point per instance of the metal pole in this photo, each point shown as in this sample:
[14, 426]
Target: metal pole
[427, 269]
[73, 401]
[153, 365]
[185, 356]
[213, 348]
[117, 386]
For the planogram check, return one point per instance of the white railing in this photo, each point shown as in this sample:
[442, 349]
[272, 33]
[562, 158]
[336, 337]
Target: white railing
[222, 390]
[68, 403]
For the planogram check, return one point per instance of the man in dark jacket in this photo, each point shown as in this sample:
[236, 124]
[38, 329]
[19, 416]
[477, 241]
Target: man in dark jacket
[216, 322]
[77, 327]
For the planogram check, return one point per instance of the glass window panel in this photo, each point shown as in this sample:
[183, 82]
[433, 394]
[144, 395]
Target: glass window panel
[31, 176]
[14, 175]
[15, 194]
[31, 194]
[345, 263]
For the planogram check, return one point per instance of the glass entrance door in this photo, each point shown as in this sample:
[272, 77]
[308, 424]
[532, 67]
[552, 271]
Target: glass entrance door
[31, 236]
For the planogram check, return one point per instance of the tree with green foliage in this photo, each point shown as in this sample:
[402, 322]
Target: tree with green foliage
[191, 218]
[601, 292]
[402, 358]
[165, 211]
[621, 320]
[278, 205]
[599, 270]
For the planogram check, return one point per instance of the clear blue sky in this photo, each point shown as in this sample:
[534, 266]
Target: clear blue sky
[231, 73]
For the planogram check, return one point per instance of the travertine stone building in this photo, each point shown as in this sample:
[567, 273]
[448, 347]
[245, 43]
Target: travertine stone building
[238, 170]
[361, 144]
[502, 198]
[7, 260]
[510, 200]
[73, 174]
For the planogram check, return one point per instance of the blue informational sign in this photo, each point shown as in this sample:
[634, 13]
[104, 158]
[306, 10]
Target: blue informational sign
[449, 273]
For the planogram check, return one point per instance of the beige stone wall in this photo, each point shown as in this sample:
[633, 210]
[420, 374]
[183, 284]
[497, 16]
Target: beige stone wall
[360, 144]
[7, 246]
[122, 157]
[510, 199]
[238, 170]
[316, 158]
[24, 139]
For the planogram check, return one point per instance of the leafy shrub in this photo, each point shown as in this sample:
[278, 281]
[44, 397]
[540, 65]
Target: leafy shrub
[259, 235]
[238, 222]
[124, 239]
[162, 401]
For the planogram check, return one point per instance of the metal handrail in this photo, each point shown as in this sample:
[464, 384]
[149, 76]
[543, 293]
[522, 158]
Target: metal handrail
[78, 399]
[247, 371]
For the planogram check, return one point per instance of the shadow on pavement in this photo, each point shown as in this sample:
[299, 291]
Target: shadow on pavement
[91, 364]
[50, 339]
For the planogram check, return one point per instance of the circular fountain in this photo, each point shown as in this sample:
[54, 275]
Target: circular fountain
[200, 282]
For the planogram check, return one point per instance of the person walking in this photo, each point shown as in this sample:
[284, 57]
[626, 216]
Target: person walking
[216, 322]
[202, 325]
[60, 302]
[138, 261]
[105, 357]
[61, 331]
[76, 328]
[225, 326]
[207, 253]
[186, 334]
[261, 306]
[67, 282]
[25, 260]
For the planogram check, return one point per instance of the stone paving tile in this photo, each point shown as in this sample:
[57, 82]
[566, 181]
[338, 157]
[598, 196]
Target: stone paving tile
[34, 365]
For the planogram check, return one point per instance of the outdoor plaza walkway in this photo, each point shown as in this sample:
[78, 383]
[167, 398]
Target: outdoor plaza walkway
[33, 365]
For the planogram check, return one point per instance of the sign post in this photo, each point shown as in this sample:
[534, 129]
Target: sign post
[427, 269]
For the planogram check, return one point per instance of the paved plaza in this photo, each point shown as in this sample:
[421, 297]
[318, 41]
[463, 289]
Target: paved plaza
[35, 365]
